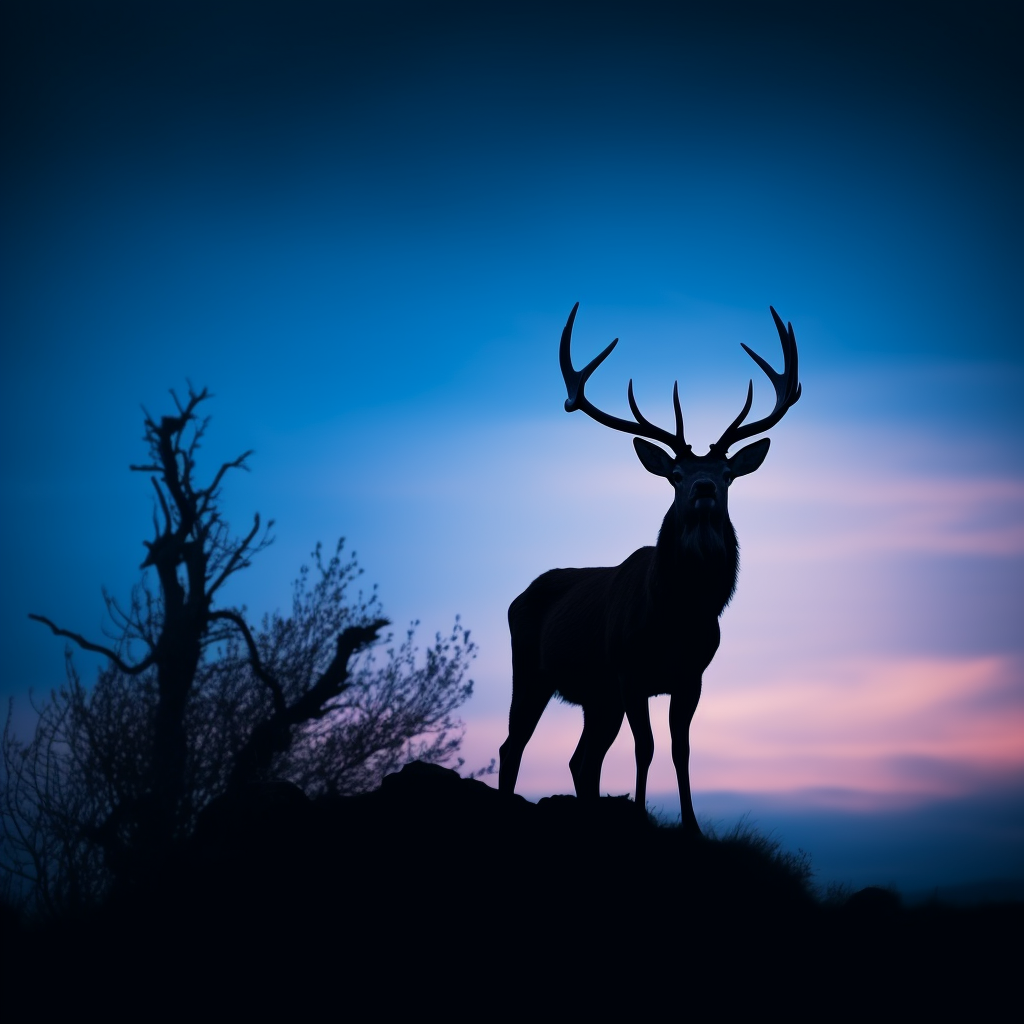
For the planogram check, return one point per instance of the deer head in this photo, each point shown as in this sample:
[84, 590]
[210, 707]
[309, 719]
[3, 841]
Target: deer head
[701, 482]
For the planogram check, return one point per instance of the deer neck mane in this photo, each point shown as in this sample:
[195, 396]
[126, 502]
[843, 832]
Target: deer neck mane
[695, 564]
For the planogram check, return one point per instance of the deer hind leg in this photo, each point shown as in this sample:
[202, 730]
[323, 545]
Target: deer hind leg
[600, 727]
[528, 705]
[638, 712]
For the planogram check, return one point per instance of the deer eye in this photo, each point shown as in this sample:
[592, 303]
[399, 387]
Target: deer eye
[677, 476]
[727, 478]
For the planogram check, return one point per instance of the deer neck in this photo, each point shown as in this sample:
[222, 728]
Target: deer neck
[695, 564]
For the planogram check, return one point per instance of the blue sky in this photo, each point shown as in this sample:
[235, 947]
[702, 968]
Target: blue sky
[363, 225]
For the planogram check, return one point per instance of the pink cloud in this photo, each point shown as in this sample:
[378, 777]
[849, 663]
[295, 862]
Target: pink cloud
[846, 516]
[887, 728]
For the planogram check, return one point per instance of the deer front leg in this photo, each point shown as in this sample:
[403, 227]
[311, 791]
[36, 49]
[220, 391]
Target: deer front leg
[638, 713]
[680, 714]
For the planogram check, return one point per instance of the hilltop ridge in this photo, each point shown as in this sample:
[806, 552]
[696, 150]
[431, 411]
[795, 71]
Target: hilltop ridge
[434, 892]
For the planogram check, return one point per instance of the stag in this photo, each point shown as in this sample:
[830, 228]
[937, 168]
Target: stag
[611, 638]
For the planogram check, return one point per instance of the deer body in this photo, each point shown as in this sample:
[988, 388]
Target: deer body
[610, 638]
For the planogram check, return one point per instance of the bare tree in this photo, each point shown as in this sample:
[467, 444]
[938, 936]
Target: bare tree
[195, 702]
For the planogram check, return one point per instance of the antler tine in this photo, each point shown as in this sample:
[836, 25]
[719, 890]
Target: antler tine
[575, 381]
[679, 415]
[786, 384]
[675, 442]
[789, 351]
[739, 419]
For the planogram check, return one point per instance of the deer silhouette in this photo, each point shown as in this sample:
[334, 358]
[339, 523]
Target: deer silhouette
[611, 638]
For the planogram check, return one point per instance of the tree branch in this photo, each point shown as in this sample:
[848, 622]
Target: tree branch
[312, 704]
[236, 557]
[272, 684]
[239, 463]
[271, 736]
[163, 504]
[87, 645]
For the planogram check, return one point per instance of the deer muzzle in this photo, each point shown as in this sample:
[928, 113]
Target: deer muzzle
[704, 495]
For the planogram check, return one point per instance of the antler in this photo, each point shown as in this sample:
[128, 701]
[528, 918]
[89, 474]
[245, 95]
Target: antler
[575, 380]
[787, 390]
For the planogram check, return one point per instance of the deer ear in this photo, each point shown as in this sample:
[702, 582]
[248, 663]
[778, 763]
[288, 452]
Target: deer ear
[746, 460]
[655, 461]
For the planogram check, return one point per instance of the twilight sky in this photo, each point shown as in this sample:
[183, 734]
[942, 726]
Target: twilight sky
[363, 225]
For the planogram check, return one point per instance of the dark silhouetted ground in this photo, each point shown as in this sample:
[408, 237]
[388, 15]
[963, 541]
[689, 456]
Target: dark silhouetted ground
[434, 897]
